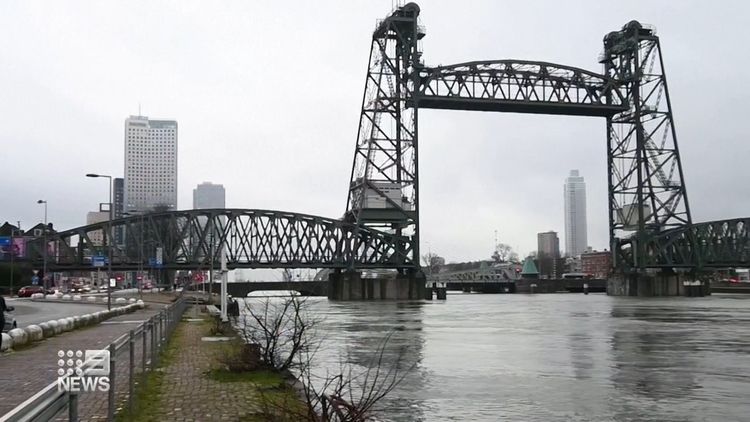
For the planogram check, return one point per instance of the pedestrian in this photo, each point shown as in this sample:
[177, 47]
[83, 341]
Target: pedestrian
[3, 308]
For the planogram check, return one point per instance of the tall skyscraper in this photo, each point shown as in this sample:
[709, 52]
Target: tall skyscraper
[548, 244]
[576, 238]
[209, 195]
[150, 164]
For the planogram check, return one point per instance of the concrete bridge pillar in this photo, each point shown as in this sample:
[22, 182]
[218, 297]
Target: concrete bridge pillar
[658, 284]
[349, 285]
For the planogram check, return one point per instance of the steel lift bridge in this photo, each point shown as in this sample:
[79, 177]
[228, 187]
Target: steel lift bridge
[650, 225]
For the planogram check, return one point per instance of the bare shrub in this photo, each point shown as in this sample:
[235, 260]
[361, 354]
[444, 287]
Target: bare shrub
[350, 394]
[281, 329]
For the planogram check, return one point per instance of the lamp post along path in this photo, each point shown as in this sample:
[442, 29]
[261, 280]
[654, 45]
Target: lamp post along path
[44, 249]
[223, 286]
[108, 239]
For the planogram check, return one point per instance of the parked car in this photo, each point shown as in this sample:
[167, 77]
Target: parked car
[10, 322]
[27, 291]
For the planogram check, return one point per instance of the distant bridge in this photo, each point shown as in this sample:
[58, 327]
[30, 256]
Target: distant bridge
[243, 288]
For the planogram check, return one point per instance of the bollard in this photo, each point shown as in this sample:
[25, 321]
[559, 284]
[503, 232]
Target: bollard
[131, 373]
[111, 395]
[442, 293]
[73, 406]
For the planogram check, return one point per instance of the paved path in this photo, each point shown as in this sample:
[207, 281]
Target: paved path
[29, 312]
[23, 373]
[190, 395]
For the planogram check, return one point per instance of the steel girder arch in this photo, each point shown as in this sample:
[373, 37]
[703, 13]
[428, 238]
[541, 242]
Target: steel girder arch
[715, 244]
[723, 243]
[248, 238]
[519, 86]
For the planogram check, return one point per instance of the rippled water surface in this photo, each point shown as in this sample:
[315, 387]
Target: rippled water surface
[566, 357]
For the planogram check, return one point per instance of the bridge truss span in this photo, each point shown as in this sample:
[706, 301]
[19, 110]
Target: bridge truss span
[716, 244]
[520, 86]
[248, 238]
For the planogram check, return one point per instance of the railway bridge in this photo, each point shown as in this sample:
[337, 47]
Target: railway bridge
[652, 235]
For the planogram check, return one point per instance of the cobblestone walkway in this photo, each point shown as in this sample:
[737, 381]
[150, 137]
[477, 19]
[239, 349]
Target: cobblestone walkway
[189, 394]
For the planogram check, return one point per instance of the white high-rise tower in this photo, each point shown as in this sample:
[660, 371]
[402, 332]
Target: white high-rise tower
[576, 238]
[150, 164]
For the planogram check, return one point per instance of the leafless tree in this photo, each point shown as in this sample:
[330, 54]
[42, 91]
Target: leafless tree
[351, 395]
[504, 253]
[433, 262]
[280, 327]
[283, 330]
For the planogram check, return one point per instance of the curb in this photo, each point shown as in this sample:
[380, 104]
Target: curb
[34, 333]
[93, 300]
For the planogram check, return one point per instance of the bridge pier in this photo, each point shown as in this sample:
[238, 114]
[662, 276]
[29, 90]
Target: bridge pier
[349, 285]
[659, 284]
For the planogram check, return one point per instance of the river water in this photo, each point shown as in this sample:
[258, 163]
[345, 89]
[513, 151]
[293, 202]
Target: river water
[554, 357]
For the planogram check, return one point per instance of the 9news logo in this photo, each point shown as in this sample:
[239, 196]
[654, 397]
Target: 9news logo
[83, 371]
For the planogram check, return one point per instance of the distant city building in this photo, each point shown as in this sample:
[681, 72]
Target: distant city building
[93, 217]
[598, 264]
[150, 164]
[576, 238]
[119, 207]
[209, 195]
[548, 244]
[573, 264]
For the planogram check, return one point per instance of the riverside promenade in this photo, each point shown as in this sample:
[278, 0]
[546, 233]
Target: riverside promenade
[26, 371]
[189, 392]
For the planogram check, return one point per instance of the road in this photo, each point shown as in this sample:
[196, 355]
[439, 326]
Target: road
[28, 312]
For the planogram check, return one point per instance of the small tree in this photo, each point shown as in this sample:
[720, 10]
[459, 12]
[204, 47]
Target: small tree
[348, 395]
[433, 262]
[281, 329]
[504, 253]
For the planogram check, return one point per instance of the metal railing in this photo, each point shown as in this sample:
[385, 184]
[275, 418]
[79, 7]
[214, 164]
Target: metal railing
[127, 363]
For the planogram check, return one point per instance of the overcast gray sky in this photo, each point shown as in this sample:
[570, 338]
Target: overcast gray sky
[267, 98]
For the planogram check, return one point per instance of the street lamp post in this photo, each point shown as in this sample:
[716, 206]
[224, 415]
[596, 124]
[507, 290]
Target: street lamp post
[108, 238]
[44, 249]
